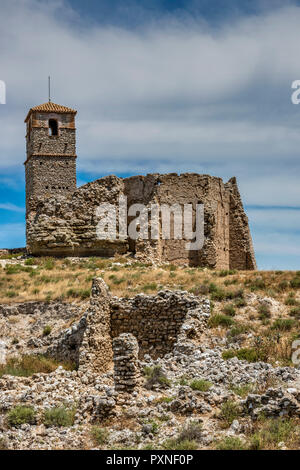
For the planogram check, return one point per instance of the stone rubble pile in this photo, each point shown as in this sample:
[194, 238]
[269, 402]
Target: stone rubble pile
[274, 402]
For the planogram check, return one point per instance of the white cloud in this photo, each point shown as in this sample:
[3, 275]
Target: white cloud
[278, 220]
[169, 97]
[11, 207]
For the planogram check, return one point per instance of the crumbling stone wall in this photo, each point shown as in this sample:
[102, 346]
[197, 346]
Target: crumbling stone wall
[156, 321]
[96, 347]
[66, 225]
[241, 252]
[126, 369]
[187, 188]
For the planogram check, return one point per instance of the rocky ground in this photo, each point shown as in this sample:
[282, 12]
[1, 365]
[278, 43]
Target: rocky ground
[228, 390]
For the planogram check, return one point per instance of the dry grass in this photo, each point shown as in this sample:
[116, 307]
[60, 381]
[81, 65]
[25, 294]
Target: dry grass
[28, 365]
[268, 433]
[59, 278]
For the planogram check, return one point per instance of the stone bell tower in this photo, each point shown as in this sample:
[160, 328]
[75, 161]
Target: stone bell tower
[50, 166]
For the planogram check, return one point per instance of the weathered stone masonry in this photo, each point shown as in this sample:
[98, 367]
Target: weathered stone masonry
[62, 221]
[50, 166]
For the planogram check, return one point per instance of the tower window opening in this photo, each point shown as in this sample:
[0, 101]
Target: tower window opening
[53, 127]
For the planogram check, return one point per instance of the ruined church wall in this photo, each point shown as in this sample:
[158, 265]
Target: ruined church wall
[66, 225]
[183, 189]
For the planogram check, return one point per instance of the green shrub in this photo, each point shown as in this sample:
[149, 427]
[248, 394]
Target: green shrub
[99, 435]
[229, 412]
[173, 444]
[21, 415]
[245, 354]
[164, 400]
[218, 295]
[291, 300]
[59, 417]
[237, 294]
[282, 286]
[79, 293]
[49, 264]
[226, 272]
[229, 309]
[200, 290]
[156, 376]
[295, 283]
[220, 320]
[230, 443]
[12, 269]
[30, 262]
[11, 294]
[212, 287]
[201, 385]
[256, 284]
[240, 302]
[250, 355]
[264, 312]
[242, 390]
[152, 286]
[154, 426]
[283, 324]
[238, 329]
[230, 282]
[47, 330]
[191, 432]
[118, 280]
[228, 354]
[295, 312]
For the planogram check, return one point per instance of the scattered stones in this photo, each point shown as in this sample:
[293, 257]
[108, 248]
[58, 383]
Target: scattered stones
[274, 402]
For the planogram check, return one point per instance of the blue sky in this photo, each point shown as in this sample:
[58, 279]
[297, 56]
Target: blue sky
[160, 86]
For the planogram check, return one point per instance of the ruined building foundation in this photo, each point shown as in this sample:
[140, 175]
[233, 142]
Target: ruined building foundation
[116, 332]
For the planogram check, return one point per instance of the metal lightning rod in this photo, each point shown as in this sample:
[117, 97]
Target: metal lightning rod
[49, 88]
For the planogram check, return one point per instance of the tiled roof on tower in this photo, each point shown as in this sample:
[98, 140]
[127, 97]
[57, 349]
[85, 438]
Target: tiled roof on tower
[50, 107]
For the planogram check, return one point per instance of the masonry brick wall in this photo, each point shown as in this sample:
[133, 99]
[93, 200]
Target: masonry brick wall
[155, 321]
